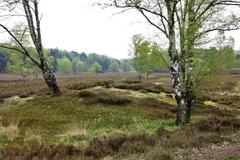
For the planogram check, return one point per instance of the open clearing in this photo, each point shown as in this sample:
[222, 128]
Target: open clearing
[115, 116]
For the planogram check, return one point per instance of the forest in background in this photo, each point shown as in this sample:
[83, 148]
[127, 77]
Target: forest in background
[64, 62]
[146, 57]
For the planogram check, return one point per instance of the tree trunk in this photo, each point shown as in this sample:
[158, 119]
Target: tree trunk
[190, 100]
[175, 68]
[189, 88]
[182, 93]
[51, 82]
[185, 95]
[181, 118]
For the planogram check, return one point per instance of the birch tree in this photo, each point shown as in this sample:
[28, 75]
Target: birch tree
[185, 24]
[30, 10]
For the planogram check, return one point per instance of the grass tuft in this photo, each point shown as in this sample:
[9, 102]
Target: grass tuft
[11, 131]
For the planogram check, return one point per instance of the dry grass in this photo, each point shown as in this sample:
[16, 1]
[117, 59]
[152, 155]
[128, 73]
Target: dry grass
[77, 133]
[10, 132]
[33, 135]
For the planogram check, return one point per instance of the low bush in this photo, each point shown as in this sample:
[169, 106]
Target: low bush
[130, 81]
[190, 138]
[127, 86]
[112, 99]
[140, 86]
[39, 152]
[153, 102]
[107, 84]
[1, 99]
[164, 156]
[137, 144]
[204, 140]
[103, 97]
[219, 125]
[216, 112]
[86, 94]
[103, 146]
[81, 86]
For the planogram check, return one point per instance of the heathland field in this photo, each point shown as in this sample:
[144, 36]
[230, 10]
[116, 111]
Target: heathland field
[116, 116]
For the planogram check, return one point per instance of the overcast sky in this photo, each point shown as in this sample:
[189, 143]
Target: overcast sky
[76, 25]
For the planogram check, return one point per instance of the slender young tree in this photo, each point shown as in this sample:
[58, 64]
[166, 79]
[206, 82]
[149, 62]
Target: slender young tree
[147, 56]
[184, 23]
[31, 13]
[141, 48]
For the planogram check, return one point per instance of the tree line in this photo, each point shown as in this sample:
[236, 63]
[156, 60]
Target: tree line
[62, 61]
[147, 58]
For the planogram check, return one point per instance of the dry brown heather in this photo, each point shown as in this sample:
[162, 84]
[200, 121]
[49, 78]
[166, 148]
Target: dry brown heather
[223, 83]
[121, 118]
[15, 85]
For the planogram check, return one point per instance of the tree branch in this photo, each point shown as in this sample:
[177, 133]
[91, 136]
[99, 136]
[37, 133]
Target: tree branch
[23, 51]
